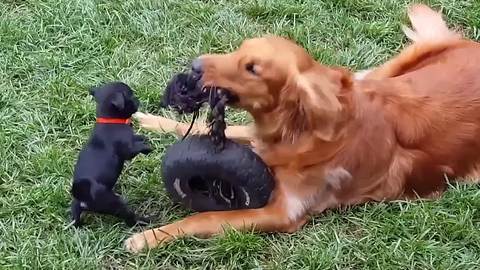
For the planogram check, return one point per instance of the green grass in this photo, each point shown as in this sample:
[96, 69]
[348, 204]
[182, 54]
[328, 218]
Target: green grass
[52, 51]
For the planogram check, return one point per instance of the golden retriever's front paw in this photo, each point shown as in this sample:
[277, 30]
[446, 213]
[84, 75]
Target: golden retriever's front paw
[150, 238]
[135, 243]
[146, 120]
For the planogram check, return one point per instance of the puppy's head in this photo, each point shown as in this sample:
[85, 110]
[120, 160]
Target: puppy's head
[115, 100]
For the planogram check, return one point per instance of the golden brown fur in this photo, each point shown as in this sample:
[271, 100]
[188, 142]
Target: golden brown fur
[333, 140]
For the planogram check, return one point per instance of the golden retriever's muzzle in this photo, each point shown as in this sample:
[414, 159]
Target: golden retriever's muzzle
[197, 68]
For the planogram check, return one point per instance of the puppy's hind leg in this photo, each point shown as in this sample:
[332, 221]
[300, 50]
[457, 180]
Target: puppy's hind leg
[110, 203]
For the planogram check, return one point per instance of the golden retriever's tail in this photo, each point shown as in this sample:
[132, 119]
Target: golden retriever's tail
[430, 35]
[427, 25]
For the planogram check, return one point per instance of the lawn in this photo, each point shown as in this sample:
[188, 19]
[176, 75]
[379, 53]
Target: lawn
[53, 51]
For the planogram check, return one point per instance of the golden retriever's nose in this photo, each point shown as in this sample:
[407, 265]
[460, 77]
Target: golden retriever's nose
[197, 66]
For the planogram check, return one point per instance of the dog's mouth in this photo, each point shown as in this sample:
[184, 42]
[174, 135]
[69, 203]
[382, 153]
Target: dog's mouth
[186, 93]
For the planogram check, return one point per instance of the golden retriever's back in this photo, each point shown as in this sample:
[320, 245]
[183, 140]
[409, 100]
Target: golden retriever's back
[434, 106]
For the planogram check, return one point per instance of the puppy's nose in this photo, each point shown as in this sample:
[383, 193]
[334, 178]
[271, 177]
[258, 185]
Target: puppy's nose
[197, 66]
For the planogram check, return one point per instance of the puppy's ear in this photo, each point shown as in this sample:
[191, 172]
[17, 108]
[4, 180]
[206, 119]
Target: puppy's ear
[118, 101]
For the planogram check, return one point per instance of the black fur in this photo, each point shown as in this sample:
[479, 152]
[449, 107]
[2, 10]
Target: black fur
[101, 161]
[185, 94]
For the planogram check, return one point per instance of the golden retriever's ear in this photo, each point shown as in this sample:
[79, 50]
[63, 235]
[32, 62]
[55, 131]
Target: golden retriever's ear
[316, 93]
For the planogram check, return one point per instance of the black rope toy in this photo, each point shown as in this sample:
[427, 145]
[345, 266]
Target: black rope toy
[211, 172]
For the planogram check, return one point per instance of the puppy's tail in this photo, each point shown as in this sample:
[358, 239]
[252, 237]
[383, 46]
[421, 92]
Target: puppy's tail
[427, 25]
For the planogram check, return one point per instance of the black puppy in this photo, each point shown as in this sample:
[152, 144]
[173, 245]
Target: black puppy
[101, 161]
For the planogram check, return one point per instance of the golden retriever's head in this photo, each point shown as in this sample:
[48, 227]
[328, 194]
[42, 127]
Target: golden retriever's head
[272, 72]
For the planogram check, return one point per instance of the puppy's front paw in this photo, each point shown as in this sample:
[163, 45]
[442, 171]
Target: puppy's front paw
[146, 150]
[140, 147]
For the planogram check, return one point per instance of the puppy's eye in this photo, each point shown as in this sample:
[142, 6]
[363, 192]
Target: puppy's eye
[250, 67]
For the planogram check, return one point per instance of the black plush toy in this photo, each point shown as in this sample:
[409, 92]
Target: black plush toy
[211, 172]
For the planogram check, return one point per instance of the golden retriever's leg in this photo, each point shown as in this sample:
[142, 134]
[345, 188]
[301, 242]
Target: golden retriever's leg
[162, 124]
[272, 218]
[241, 134]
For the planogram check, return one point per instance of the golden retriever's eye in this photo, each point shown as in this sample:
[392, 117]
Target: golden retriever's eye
[250, 67]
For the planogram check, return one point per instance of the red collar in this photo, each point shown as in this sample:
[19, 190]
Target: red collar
[104, 120]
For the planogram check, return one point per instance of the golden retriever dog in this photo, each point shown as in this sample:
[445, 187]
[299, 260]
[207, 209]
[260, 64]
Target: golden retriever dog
[399, 131]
